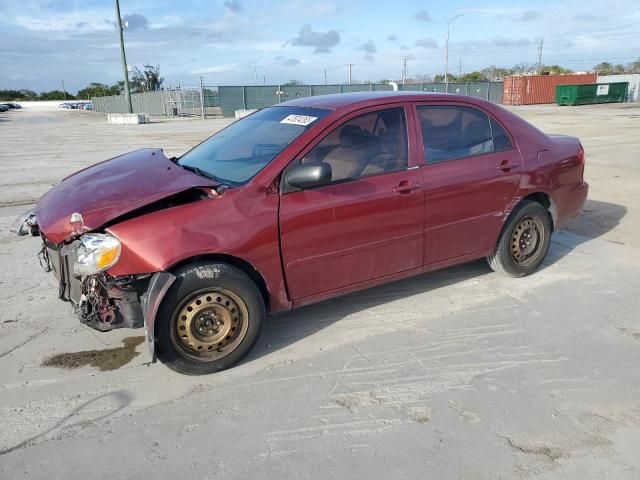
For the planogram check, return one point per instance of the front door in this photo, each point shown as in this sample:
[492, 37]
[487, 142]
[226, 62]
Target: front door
[470, 176]
[368, 221]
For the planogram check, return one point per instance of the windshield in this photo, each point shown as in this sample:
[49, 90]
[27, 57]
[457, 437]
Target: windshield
[237, 153]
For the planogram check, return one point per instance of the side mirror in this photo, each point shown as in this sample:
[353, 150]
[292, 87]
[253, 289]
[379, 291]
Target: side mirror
[309, 175]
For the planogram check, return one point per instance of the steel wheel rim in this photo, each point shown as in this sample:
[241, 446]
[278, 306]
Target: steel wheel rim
[210, 324]
[527, 239]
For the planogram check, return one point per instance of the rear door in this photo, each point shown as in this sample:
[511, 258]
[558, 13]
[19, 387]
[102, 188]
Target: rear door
[470, 174]
[368, 222]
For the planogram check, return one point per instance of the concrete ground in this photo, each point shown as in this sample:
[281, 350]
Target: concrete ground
[461, 373]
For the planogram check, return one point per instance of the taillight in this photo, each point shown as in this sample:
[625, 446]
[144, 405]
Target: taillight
[580, 155]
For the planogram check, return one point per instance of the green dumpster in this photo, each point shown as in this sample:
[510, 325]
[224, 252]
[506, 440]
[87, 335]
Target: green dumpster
[587, 94]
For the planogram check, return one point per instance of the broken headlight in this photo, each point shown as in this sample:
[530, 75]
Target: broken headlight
[25, 224]
[95, 252]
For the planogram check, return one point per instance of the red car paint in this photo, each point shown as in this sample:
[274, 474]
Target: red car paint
[315, 244]
[110, 189]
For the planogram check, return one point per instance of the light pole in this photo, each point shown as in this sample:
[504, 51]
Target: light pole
[446, 54]
[125, 71]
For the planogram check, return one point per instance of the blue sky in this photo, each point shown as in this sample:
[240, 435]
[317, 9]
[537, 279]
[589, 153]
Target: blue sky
[228, 42]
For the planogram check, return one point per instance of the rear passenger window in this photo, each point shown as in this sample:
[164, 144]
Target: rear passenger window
[451, 132]
[501, 140]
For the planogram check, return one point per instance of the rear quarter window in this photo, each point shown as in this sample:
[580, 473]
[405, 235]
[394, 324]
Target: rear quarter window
[501, 139]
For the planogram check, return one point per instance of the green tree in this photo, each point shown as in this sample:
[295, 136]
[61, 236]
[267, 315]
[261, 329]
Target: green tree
[96, 89]
[440, 78]
[17, 95]
[147, 80]
[554, 70]
[294, 82]
[522, 68]
[495, 74]
[633, 67]
[473, 77]
[606, 68]
[56, 95]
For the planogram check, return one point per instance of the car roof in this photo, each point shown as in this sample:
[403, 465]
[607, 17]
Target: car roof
[338, 101]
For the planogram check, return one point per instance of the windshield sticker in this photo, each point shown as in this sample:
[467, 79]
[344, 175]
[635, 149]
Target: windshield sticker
[302, 120]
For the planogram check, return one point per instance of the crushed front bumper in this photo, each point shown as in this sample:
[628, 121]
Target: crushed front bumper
[101, 302]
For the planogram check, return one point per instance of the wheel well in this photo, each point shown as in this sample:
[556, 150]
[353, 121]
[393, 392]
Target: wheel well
[547, 202]
[243, 265]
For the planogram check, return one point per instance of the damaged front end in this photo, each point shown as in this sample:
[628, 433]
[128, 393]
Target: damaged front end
[101, 301]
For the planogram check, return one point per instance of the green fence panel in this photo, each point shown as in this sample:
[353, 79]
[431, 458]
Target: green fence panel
[291, 92]
[410, 87]
[381, 87]
[231, 99]
[325, 89]
[261, 97]
[211, 98]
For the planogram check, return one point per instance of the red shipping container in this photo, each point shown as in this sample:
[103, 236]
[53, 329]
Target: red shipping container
[534, 89]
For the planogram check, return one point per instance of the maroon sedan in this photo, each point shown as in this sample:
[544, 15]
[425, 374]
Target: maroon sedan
[298, 203]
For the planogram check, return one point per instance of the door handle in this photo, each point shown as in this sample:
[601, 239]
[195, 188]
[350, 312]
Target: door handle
[506, 165]
[405, 187]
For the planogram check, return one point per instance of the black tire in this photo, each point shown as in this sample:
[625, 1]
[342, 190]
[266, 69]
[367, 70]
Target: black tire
[187, 350]
[511, 256]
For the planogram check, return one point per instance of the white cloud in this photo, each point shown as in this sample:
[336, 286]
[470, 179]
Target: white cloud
[79, 21]
[217, 68]
[308, 8]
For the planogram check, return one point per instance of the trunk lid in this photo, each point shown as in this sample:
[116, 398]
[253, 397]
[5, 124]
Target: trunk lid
[110, 189]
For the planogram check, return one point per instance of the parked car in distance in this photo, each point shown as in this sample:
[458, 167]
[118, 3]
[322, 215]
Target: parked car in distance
[12, 105]
[297, 203]
[4, 108]
[87, 106]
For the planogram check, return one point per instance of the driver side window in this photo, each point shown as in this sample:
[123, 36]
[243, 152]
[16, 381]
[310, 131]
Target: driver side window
[366, 145]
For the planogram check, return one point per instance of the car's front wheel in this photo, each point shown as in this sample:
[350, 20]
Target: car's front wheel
[524, 242]
[210, 318]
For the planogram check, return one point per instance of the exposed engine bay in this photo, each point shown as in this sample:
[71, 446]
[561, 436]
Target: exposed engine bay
[101, 301]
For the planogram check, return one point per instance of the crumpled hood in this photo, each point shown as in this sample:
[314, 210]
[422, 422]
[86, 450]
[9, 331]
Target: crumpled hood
[107, 190]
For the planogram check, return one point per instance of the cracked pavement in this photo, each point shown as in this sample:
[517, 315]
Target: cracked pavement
[461, 373]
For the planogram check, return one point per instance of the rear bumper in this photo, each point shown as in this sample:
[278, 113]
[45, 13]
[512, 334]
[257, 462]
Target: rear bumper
[569, 202]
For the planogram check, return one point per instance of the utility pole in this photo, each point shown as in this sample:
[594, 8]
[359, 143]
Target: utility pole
[446, 54]
[255, 75]
[64, 90]
[125, 70]
[325, 76]
[202, 110]
[264, 80]
[349, 65]
[459, 68]
[404, 70]
[540, 55]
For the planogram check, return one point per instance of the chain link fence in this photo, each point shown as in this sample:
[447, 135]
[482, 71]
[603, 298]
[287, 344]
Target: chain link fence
[170, 102]
[225, 100]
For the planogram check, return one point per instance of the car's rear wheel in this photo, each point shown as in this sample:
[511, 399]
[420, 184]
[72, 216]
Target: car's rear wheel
[209, 319]
[524, 242]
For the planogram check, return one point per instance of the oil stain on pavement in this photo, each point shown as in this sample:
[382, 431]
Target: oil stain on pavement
[110, 359]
